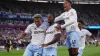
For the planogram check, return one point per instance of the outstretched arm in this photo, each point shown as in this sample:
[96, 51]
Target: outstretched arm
[67, 24]
[28, 30]
[61, 17]
[22, 36]
[71, 19]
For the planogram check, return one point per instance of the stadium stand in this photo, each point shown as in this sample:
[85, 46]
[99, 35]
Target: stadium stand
[85, 12]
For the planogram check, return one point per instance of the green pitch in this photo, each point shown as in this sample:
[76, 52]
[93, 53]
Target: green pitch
[62, 51]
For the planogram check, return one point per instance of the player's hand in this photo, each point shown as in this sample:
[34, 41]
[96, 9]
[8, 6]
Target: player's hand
[58, 27]
[44, 45]
[16, 39]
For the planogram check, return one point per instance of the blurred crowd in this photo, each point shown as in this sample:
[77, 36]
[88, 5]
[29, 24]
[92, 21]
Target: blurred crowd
[90, 14]
[8, 33]
[14, 22]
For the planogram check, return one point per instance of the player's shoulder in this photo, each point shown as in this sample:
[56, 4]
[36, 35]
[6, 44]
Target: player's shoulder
[85, 30]
[72, 10]
[44, 26]
[31, 25]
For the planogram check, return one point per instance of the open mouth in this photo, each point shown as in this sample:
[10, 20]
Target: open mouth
[65, 7]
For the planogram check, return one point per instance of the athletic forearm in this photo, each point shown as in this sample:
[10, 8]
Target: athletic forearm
[56, 39]
[22, 36]
[67, 23]
[59, 18]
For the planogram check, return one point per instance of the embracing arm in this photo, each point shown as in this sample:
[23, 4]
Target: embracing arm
[72, 18]
[67, 24]
[56, 39]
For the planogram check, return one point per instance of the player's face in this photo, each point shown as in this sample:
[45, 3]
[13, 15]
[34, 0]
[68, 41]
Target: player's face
[80, 25]
[50, 19]
[66, 5]
[38, 21]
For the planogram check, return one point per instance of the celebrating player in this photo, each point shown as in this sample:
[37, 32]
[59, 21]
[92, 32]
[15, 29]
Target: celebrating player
[71, 26]
[52, 36]
[83, 33]
[37, 31]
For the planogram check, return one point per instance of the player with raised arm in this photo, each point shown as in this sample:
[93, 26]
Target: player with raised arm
[84, 33]
[71, 26]
[52, 37]
[37, 31]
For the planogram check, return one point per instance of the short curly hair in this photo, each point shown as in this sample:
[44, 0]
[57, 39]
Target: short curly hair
[80, 21]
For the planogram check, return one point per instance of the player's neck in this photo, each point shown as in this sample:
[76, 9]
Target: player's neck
[51, 23]
[69, 8]
[80, 28]
[38, 25]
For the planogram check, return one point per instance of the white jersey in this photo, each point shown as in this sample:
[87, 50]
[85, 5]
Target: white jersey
[37, 33]
[83, 33]
[50, 33]
[70, 18]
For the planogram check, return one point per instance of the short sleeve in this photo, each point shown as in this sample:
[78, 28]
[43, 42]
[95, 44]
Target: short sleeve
[73, 15]
[28, 29]
[88, 33]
